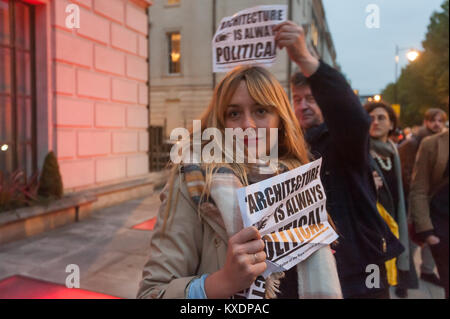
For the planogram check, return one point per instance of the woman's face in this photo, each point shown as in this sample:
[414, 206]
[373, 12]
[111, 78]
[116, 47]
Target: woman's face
[244, 112]
[381, 124]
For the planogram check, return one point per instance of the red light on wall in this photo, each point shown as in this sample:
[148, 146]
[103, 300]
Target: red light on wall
[36, 2]
[20, 287]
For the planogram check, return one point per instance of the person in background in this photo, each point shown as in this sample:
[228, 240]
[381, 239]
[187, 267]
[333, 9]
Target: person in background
[428, 200]
[433, 123]
[398, 137]
[408, 133]
[386, 162]
[337, 129]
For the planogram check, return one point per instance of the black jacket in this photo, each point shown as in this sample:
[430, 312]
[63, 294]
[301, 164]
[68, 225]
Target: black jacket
[343, 142]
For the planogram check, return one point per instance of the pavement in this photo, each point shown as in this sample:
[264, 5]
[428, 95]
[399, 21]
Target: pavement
[109, 253]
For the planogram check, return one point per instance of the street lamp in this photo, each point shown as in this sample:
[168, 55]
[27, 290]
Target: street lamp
[412, 55]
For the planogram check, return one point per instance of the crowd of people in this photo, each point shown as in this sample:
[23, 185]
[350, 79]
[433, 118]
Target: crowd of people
[383, 200]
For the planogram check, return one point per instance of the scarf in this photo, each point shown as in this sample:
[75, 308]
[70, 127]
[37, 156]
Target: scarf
[390, 150]
[222, 207]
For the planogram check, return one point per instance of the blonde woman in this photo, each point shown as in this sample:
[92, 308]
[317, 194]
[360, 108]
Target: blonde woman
[199, 248]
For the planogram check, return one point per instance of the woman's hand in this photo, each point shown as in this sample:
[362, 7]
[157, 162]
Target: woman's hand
[245, 261]
[292, 37]
[432, 240]
[378, 180]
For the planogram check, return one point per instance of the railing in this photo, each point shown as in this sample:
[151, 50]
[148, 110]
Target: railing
[159, 149]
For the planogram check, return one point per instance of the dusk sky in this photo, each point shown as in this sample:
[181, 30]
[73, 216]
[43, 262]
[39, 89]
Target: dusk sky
[367, 56]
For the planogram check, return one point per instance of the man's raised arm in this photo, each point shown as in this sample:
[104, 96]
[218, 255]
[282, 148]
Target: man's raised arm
[347, 121]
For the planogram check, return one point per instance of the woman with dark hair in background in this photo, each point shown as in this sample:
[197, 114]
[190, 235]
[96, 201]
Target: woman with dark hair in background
[391, 201]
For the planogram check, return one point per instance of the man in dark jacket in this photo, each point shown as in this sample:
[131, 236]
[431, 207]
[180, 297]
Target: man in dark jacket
[337, 129]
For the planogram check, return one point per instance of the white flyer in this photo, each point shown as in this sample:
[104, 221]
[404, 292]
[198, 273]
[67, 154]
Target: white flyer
[289, 211]
[247, 37]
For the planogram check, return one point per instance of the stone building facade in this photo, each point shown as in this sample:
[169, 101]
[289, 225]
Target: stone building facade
[80, 92]
[181, 74]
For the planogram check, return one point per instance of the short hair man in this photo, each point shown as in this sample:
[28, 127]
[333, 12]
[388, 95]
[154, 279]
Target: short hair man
[433, 123]
[429, 199]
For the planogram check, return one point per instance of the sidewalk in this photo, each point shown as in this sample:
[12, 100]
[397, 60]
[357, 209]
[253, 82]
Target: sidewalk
[110, 254]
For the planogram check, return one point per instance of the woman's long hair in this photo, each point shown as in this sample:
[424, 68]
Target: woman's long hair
[265, 89]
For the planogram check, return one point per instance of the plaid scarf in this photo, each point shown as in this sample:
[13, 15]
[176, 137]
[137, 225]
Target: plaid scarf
[221, 204]
[317, 278]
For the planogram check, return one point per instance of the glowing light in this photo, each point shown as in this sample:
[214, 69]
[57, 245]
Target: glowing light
[412, 55]
[4, 147]
[175, 56]
[377, 98]
[147, 225]
[370, 99]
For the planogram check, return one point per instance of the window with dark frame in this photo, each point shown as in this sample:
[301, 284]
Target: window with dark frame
[174, 41]
[17, 88]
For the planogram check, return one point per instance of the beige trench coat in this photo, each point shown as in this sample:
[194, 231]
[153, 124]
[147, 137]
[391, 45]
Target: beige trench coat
[193, 245]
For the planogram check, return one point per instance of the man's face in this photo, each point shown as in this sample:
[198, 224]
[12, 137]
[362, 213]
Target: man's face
[306, 109]
[436, 124]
